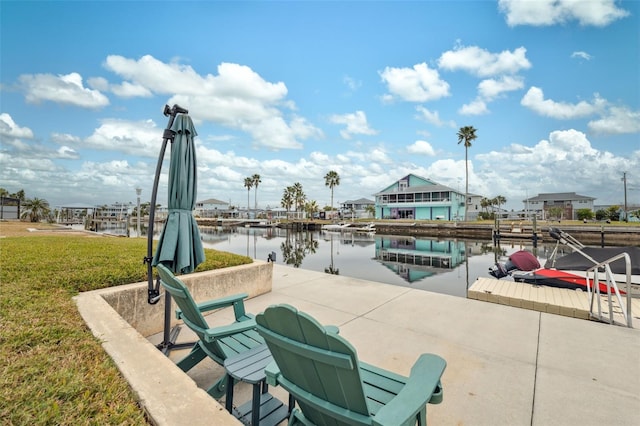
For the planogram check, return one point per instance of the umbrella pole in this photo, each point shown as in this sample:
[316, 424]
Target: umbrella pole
[154, 291]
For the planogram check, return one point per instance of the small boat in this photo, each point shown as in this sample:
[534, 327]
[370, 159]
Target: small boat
[574, 270]
[264, 224]
[367, 229]
[336, 227]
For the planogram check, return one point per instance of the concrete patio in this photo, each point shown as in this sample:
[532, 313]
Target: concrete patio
[506, 365]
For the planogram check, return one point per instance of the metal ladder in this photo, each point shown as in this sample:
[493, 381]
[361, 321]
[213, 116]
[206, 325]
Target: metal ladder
[594, 293]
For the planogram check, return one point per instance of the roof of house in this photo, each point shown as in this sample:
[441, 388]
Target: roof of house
[427, 186]
[212, 201]
[358, 201]
[559, 196]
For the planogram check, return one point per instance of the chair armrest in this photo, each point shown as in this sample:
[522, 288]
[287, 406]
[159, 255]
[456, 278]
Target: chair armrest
[423, 381]
[272, 371]
[229, 330]
[223, 302]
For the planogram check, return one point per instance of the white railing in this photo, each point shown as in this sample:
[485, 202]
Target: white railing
[594, 294]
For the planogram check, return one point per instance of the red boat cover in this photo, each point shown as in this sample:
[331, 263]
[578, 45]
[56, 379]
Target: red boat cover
[524, 260]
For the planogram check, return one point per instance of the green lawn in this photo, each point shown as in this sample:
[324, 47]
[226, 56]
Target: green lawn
[53, 371]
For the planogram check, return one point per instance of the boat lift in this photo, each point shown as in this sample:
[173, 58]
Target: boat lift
[593, 280]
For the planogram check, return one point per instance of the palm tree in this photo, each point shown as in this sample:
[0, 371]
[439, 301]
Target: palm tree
[485, 203]
[500, 200]
[145, 209]
[311, 207]
[35, 209]
[248, 183]
[371, 210]
[20, 195]
[332, 179]
[256, 181]
[287, 199]
[298, 196]
[466, 134]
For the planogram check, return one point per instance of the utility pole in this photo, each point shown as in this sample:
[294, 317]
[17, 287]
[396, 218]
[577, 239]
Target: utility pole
[624, 180]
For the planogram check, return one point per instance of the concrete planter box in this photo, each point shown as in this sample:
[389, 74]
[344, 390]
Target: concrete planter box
[130, 301]
[121, 319]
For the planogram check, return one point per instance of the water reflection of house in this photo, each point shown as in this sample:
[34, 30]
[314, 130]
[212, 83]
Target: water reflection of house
[415, 259]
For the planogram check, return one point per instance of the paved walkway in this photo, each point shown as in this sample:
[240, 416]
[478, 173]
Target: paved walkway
[505, 365]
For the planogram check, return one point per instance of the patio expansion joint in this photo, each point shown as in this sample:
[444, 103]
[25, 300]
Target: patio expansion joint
[535, 371]
[364, 314]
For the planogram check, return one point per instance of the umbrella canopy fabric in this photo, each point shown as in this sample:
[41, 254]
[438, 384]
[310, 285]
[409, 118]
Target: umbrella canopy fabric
[180, 247]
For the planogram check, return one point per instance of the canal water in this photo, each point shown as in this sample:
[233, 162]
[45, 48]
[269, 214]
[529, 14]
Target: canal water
[447, 266]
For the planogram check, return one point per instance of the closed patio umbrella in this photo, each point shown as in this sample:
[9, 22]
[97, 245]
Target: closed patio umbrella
[179, 247]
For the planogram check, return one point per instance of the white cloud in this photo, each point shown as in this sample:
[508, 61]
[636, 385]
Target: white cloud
[421, 148]
[356, 124]
[534, 100]
[123, 90]
[320, 158]
[617, 120]
[112, 175]
[213, 157]
[564, 162]
[492, 88]
[62, 89]
[374, 155]
[237, 98]
[131, 137]
[9, 130]
[581, 55]
[19, 142]
[129, 90]
[66, 139]
[476, 107]
[598, 13]
[351, 83]
[67, 153]
[433, 117]
[417, 84]
[452, 173]
[379, 155]
[482, 63]
[19, 166]
[232, 81]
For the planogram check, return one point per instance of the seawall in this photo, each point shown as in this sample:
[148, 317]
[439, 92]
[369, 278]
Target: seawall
[590, 235]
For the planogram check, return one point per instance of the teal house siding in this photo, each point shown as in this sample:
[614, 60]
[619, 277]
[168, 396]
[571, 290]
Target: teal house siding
[416, 198]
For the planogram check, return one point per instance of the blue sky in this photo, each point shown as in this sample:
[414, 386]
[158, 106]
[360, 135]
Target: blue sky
[292, 90]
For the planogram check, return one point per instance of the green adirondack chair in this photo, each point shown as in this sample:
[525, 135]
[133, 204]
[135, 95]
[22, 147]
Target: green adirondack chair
[320, 369]
[217, 343]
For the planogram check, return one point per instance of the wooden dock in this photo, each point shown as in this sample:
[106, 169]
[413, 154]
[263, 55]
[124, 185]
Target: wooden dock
[560, 301]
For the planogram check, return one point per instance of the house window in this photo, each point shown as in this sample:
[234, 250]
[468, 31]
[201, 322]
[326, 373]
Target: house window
[405, 214]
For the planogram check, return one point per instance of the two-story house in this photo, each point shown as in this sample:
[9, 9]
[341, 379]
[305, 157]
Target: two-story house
[415, 197]
[568, 204]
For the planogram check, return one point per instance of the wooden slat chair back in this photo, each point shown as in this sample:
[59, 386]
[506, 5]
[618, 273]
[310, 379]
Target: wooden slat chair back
[321, 370]
[217, 343]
